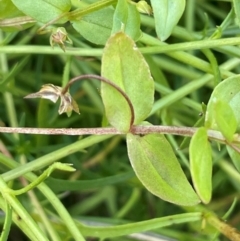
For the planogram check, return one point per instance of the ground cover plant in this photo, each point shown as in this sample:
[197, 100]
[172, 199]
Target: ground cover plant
[151, 150]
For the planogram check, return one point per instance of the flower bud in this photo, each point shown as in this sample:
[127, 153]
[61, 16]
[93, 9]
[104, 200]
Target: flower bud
[144, 7]
[59, 36]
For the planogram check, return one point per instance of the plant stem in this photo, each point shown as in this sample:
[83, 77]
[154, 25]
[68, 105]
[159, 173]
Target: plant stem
[102, 79]
[201, 44]
[21, 212]
[173, 130]
[223, 227]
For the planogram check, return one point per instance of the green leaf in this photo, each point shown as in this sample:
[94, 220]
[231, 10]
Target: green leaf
[59, 185]
[235, 156]
[201, 164]
[127, 19]
[225, 119]
[228, 92]
[236, 7]
[123, 64]
[9, 10]
[95, 27]
[11, 19]
[166, 14]
[43, 10]
[157, 167]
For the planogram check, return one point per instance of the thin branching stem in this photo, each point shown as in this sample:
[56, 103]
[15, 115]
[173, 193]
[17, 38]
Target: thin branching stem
[107, 81]
[137, 130]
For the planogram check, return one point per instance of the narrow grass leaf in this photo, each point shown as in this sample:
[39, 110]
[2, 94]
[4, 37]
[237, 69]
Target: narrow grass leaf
[104, 231]
[59, 185]
[201, 164]
[157, 167]
[236, 7]
[166, 14]
[123, 64]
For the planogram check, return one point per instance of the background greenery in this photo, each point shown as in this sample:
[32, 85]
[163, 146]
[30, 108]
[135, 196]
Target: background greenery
[103, 189]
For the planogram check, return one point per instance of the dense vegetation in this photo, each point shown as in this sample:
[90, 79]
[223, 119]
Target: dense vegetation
[134, 70]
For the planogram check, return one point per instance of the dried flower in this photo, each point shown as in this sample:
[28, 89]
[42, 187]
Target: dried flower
[59, 36]
[52, 92]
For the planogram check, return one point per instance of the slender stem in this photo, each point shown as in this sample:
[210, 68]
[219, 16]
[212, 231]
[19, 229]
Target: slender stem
[42, 177]
[224, 228]
[173, 130]
[102, 79]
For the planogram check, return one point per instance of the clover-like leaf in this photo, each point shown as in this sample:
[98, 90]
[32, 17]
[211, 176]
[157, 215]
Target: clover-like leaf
[52, 92]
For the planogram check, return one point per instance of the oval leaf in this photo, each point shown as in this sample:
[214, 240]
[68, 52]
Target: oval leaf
[201, 164]
[227, 91]
[43, 10]
[166, 14]
[235, 156]
[96, 27]
[127, 18]
[225, 119]
[157, 167]
[123, 64]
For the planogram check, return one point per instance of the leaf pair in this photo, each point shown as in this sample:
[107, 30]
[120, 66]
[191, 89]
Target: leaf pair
[223, 113]
[151, 156]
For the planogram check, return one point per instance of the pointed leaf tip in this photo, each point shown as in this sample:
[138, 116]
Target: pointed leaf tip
[201, 164]
[157, 167]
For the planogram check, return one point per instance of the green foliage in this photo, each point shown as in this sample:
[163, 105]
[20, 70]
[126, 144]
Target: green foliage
[167, 14]
[157, 167]
[225, 97]
[12, 19]
[95, 27]
[236, 6]
[9, 10]
[43, 10]
[101, 194]
[201, 164]
[126, 18]
[125, 66]
[225, 119]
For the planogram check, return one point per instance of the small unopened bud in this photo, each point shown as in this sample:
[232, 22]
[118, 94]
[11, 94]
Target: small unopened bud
[144, 7]
[59, 36]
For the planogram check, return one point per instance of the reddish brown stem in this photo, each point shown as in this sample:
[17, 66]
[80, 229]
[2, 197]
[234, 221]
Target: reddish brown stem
[137, 130]
[109, 82]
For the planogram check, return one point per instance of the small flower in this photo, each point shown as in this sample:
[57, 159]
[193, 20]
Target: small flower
[59, 36]
[52, 92]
